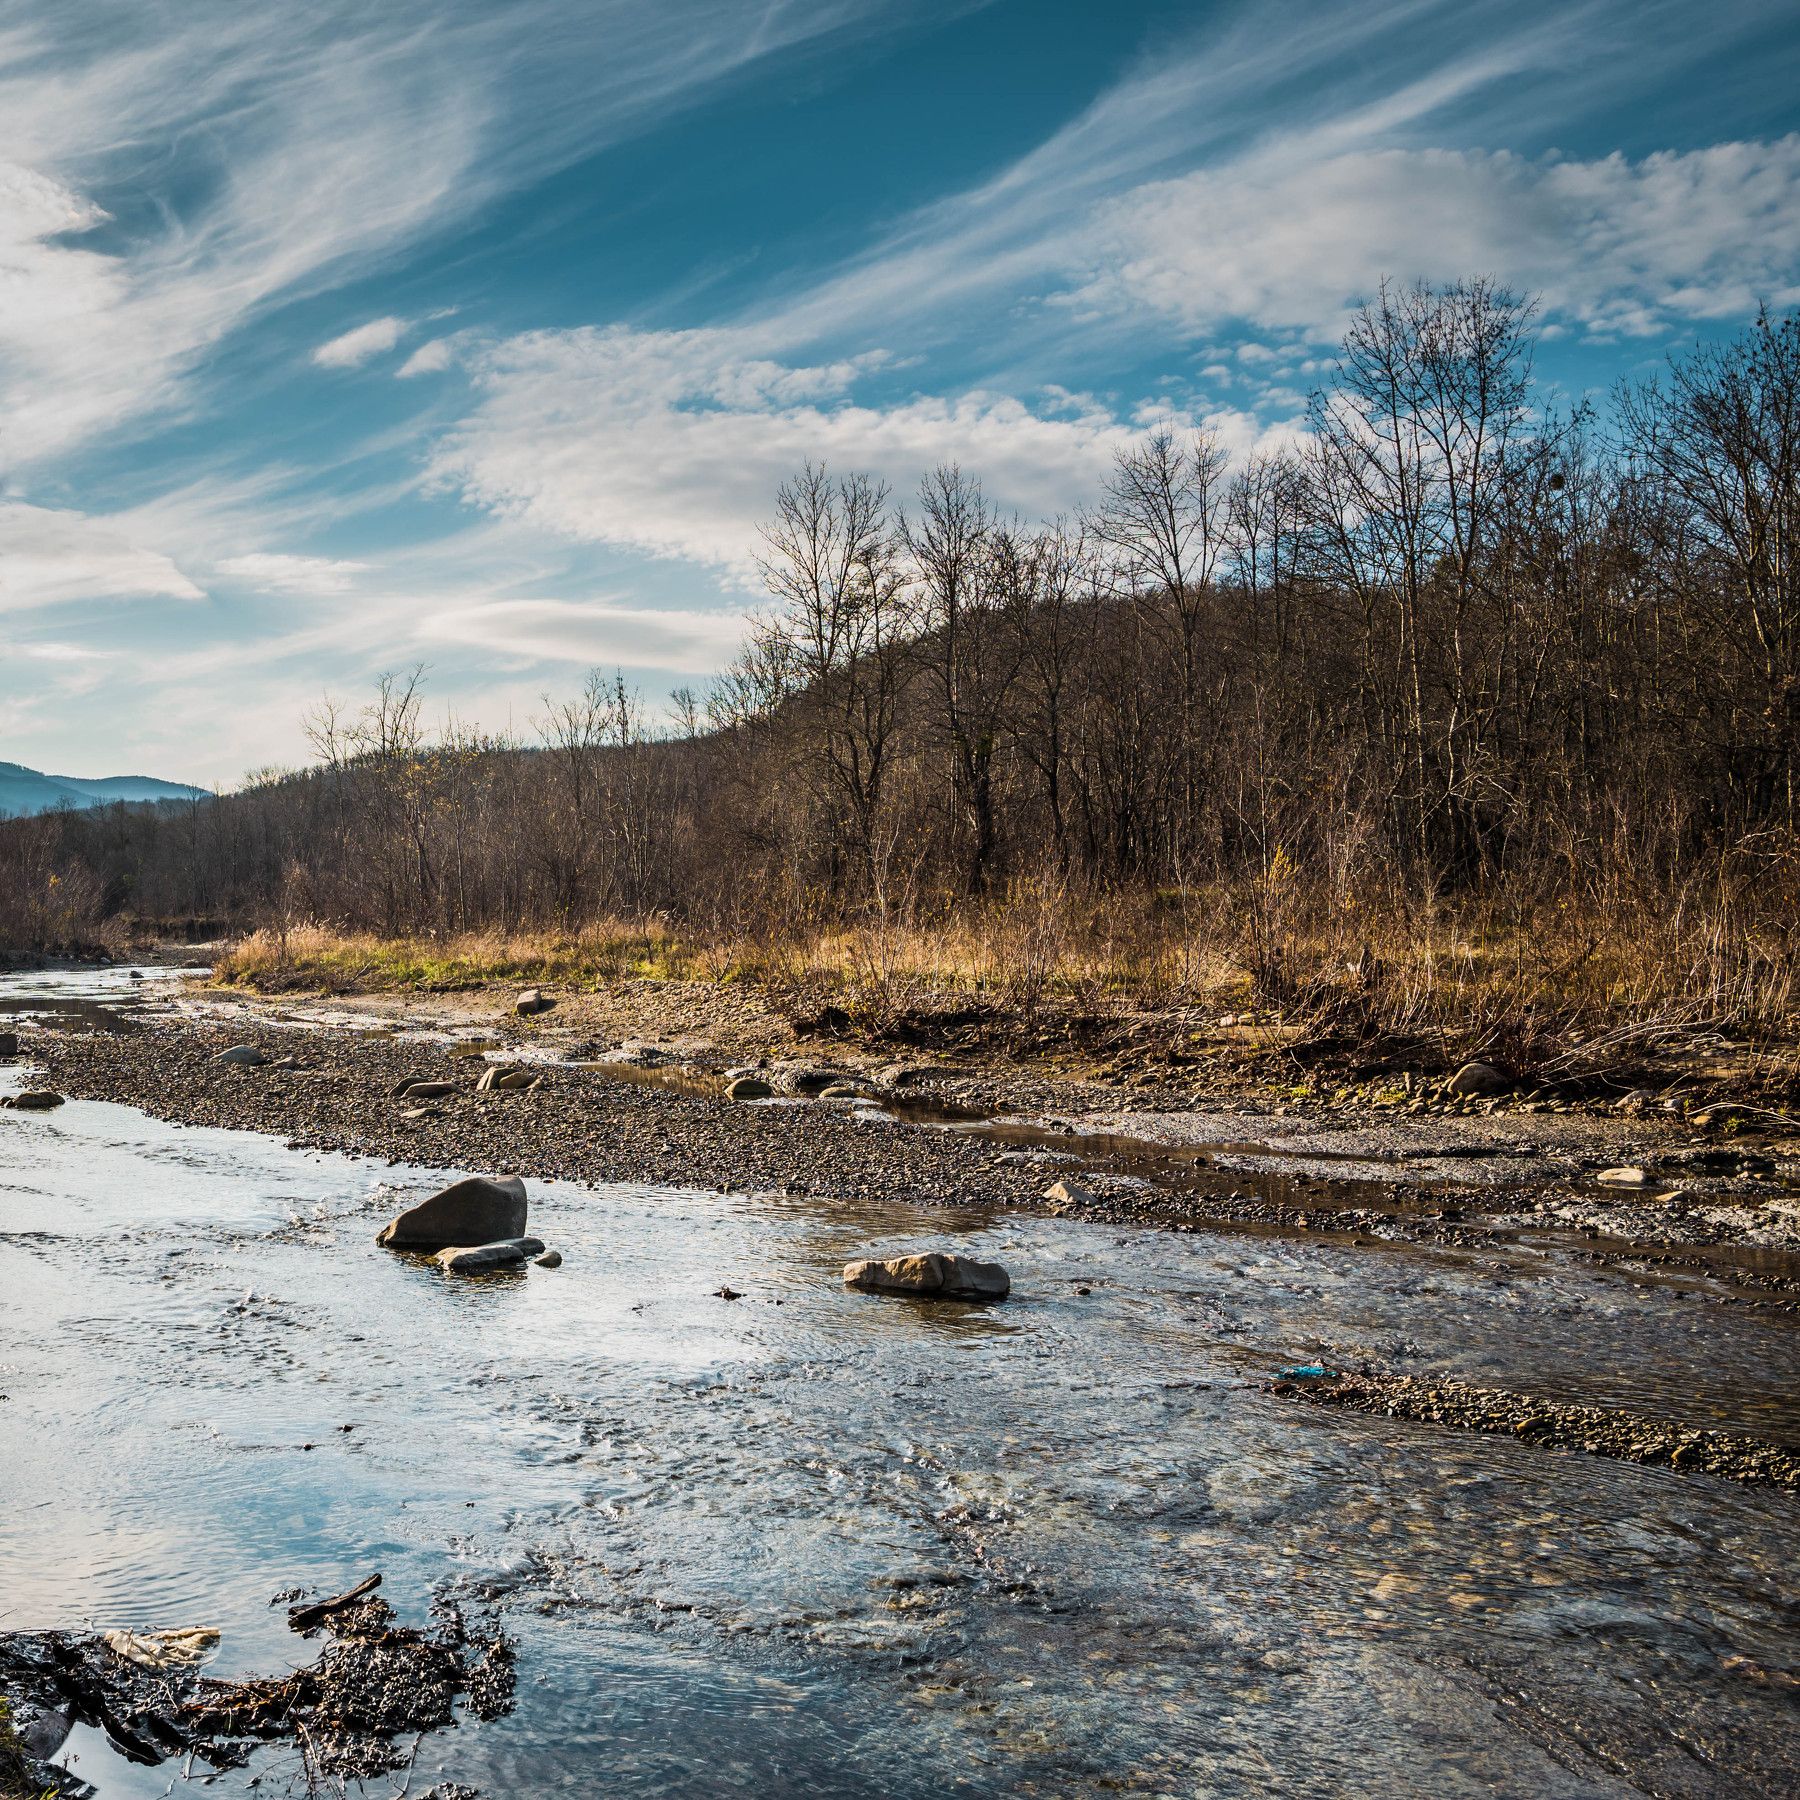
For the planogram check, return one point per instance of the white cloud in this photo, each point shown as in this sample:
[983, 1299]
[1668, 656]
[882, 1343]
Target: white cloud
[271, 573]
[1288, 240]
[428, 359]
[53, 558]
[672, 443]
[356, 346]
[589, 633]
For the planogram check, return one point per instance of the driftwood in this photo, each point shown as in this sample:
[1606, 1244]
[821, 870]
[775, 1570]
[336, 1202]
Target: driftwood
[306, 1618]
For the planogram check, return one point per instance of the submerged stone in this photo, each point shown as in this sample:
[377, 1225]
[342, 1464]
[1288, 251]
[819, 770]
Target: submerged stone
[748, 1087]
[478, 1259]
[33, 1100]
[478, 1210]
[935, 1275]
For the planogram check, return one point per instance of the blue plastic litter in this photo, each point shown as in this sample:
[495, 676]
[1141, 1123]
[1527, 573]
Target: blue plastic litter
[1307, 1372]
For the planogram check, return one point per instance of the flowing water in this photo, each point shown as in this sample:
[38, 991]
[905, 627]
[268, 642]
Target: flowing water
[818, 1542]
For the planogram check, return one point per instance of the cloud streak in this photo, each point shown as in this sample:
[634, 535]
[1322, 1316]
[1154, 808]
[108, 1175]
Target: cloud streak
[306, 145]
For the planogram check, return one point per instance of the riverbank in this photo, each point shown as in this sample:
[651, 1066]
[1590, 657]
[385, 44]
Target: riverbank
[629, 1083]
[1584, 1005]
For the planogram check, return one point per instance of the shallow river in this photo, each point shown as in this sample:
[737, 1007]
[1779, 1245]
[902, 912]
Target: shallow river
[817, 1542]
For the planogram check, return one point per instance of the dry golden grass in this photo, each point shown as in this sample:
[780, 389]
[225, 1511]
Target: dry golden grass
[1552, 987]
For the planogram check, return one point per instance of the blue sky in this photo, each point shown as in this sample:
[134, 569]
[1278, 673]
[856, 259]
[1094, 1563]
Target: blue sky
[339, 338]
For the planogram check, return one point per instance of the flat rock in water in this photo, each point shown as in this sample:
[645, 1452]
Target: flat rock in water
[935, 1275]
[33, 1100]
[244, 1056]
[1623, 1176]
[477, 1259]
[551, 1259]
[476, 1211]
[748, 1087]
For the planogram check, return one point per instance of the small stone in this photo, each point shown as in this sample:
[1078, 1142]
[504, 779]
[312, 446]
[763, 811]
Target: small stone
[496, 1079]
[748, 1087]
[937, 1275]
[1624, 1176]
[426, 1090]
[551, 1259]
[34, 1100]
[1069, 1193]
[533, 1000]
[726, 1293]
[1475, 1078]
[242, 1056]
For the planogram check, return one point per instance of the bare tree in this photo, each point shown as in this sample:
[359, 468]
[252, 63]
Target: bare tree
[1166, 518]
[834, 648]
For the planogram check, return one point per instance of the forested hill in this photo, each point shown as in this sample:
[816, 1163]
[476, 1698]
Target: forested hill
[24, 792]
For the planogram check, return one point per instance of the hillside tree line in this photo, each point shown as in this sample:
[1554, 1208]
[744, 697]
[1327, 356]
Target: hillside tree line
[1450, 640]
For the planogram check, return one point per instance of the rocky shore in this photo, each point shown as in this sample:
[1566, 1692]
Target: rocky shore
[1548, 1424]
[725, 1107]
[574, 1124]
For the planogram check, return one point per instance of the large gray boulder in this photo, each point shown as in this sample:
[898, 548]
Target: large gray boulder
[935, 1275]
[245, 1056]
[478, 1259]
[533, 1000]
[475, 1211]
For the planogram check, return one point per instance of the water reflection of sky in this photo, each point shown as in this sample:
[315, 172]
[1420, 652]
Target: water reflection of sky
[817, 1541]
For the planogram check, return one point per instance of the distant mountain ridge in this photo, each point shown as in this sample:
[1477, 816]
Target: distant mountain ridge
[24, 791]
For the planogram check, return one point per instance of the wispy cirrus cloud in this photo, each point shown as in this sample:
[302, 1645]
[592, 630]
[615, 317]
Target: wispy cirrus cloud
[289, 148]
[56, 556]
[352, 348]
[588, 633]
[672, 443]
[272, 572]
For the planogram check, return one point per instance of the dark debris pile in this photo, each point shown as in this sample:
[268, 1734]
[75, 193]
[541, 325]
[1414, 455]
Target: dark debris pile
[375, 1684]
